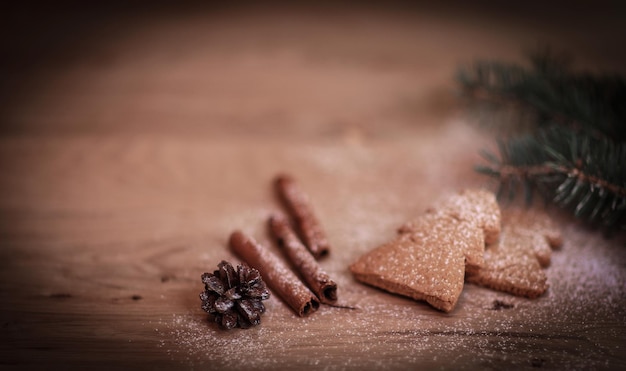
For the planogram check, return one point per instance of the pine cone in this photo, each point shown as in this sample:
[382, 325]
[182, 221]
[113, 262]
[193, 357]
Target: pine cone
[233, 298]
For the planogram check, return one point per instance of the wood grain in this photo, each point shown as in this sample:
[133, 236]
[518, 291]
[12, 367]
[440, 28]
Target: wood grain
[126, 166]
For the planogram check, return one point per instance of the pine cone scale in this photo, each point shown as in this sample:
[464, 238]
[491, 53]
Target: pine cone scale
[250, 311]
[223, 305]
[232, 294]
[213, 283]
[229, 320]
[257, 293]
[228, 275]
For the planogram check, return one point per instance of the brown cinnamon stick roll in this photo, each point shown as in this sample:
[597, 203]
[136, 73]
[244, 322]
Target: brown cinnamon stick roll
[299, 207]
[275, 273]
[318, 281]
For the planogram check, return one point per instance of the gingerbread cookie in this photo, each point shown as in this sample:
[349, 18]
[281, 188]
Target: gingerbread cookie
[478, 207]
[514, 263]
[427, 261]
[472, 210]
[537, 226]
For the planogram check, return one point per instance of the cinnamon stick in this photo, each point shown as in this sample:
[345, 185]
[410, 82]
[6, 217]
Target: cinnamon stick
[299, 207]
[318, 281]
[275, 273]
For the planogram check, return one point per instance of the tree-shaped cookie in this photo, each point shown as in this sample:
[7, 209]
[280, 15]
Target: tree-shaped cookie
[515, 262]
[427, 261]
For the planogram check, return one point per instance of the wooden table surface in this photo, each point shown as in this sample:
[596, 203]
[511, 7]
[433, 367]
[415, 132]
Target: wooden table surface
[134, 142]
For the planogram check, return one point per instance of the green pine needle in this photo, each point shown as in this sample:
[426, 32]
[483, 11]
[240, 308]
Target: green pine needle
[571, 147]
[550, 93]
[571, 169]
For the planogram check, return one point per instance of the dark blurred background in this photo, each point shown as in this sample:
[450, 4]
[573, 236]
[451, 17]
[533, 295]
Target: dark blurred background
[53, 55]
[135, 135]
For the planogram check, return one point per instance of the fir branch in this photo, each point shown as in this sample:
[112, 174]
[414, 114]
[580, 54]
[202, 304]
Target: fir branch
[552, 92]
[579, 172]
[574, 150]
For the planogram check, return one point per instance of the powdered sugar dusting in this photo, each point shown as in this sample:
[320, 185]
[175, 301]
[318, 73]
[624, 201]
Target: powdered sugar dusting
[488, 329]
